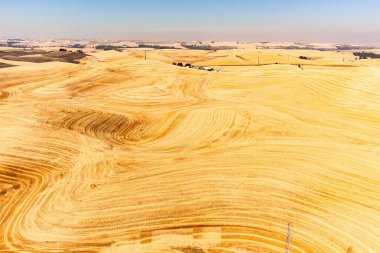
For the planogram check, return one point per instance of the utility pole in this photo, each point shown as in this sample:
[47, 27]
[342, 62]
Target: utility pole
[258, 59]
[145, 54]
[289, 237]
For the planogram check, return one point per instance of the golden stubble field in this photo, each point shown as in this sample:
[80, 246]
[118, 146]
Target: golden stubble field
[118, 154]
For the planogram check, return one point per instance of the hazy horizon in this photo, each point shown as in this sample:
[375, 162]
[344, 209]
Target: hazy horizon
[275, 21]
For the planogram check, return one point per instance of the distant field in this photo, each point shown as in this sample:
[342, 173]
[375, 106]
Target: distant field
[39, 56]
[118, 154]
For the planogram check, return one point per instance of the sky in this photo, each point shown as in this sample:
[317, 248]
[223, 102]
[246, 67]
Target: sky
[340, 21]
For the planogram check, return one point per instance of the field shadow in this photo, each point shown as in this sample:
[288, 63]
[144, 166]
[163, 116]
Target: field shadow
[5, 65]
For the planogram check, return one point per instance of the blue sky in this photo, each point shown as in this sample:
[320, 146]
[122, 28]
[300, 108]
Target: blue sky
[248, 20]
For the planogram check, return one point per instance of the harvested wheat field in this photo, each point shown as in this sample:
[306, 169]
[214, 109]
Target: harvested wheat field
[118, 154]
